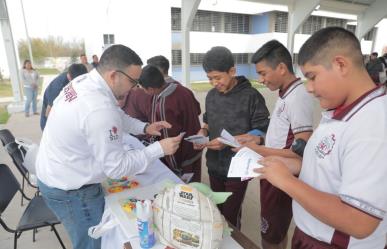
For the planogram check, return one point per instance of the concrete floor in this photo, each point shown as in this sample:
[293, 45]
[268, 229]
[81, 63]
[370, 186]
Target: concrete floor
[29, 128]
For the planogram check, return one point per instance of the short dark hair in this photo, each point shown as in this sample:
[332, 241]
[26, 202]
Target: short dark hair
[218, 59]
[151, 77]
[76, 69]
[328, 42]
[160, 62]
[273, 53]
[375, 54]
[82, 55]
[118, 57]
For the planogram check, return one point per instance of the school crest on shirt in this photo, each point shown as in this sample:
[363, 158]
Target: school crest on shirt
[280, 109]
[113, 133]
[325, 146]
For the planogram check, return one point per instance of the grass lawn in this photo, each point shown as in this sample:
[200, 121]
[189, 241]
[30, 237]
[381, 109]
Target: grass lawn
[206, 86]
[44, 71]
[4, 115]
[5, 89]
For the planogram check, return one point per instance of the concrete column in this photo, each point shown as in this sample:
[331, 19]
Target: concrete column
[298, 11]
[188, 10]
[370, 17]
[10, 52]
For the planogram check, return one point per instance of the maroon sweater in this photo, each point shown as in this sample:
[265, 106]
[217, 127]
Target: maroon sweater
[177, 105]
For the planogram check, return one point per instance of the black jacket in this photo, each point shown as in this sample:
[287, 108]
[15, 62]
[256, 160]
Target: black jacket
[239, 111]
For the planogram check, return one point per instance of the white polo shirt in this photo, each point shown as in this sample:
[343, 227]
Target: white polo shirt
[347, 156]
[82, 141]
[292, 114]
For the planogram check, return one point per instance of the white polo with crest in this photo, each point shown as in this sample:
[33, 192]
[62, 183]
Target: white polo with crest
[347, 157]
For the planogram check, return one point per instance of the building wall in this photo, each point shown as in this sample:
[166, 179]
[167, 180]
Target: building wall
[145, 29]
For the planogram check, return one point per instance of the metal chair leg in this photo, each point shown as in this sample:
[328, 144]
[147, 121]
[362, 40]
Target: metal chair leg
[23, 192]
[57, 235]
[15, 241]
[33, 235]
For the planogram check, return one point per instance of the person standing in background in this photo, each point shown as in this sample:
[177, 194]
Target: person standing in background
[95, 61]
[84, 61]
[29, 77]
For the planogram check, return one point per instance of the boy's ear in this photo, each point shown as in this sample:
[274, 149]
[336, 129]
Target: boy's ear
[341, 64]
[232, 71]
[282, 68]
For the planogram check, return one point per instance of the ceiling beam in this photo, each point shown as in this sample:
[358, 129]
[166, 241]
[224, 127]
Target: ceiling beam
[370, 17]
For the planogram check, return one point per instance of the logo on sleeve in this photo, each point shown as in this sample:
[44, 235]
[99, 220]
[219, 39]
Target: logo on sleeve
[113, 133]
[325, 146]
[70, 93]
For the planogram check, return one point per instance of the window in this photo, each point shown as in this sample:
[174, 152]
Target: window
[176, 57]
[281, 22]
[210, 21]
[241, 58]
[236, 23]
[176, 19]
[295, 59]
[351, 28]
[335, 22]
[207, 21]
[312, 24]
[197, 58]
[370, 35]
[108, 39]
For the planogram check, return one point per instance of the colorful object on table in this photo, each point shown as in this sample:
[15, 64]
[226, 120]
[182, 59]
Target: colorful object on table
[119, 185]
[129, 205]
[185, 218]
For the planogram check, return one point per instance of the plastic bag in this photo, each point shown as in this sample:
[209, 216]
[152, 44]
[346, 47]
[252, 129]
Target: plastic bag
[29, 158]
[107, 223]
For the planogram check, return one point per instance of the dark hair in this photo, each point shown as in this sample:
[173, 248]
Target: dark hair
[82, 55]
[328, 42]
[118, 57]
[151, 77]
[25, 62]
[160, 62]
[76, 69]
[273, 53]
[218, 59]
[375, 54]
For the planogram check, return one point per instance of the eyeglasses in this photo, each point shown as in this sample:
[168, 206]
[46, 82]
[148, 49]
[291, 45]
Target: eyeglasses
[134, 82]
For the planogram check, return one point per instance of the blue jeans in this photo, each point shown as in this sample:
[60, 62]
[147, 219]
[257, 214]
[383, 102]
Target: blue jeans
[31, 95]
[77, 210]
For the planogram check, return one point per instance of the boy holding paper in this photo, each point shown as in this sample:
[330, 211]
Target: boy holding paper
[234, 105]
[339, 198]
[177, 104]
[292, 118]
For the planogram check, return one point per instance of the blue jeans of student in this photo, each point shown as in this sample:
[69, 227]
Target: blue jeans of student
[77, 210]
[31, 95]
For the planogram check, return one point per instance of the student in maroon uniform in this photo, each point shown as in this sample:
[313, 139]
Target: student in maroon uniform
[177, 104]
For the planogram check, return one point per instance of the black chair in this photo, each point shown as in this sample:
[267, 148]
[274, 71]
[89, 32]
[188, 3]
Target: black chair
[6, 137]
[17, 155]
[36, 215]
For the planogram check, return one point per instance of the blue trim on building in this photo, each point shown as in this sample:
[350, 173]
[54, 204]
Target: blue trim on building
[260, 24]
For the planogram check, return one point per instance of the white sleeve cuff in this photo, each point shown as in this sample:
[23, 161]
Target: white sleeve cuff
[154, 151]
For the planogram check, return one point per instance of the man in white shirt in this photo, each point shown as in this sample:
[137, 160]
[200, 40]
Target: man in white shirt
[82, 143]
[291, 119]
[339, 198]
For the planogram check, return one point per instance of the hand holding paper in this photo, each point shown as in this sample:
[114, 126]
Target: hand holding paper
[228, 139]
[197, 139]
[244, 163]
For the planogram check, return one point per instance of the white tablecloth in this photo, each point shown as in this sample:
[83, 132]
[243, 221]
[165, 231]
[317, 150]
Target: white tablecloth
[151, 182]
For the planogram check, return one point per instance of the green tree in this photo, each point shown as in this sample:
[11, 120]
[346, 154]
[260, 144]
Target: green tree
[50, 47]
